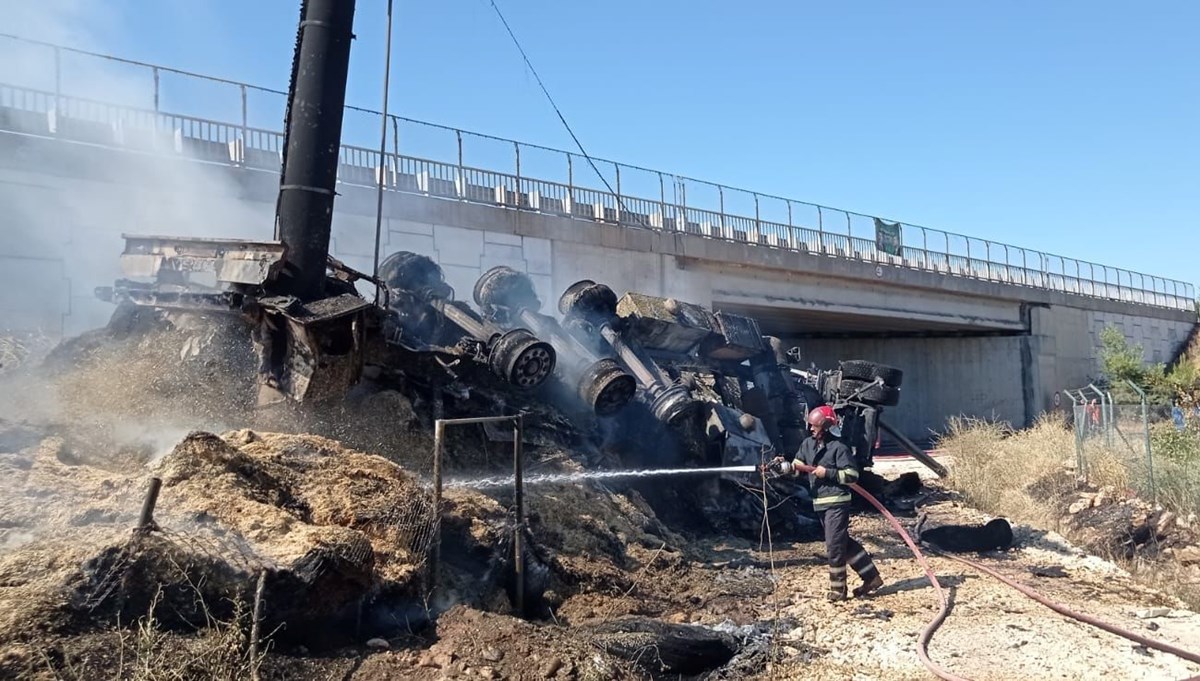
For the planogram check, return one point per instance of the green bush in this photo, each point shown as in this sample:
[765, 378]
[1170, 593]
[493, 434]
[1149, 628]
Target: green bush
[1183, 446]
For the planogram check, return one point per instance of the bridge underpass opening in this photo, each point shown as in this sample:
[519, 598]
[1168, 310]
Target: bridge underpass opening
[950, 369]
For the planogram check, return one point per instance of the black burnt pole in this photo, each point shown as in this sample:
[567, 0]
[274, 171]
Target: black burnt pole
[313, 125]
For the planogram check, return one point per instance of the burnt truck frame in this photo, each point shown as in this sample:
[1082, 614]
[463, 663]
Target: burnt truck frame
[713, 373]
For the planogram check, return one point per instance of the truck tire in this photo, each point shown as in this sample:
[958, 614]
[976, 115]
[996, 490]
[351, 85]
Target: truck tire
[862, 370]
[883, 395]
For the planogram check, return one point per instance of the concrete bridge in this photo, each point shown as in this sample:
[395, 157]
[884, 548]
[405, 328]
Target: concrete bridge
[981, 328]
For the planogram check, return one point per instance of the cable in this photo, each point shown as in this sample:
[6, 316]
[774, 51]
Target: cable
[562, 118]
[387, 72]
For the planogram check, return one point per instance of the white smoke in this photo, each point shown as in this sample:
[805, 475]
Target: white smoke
[67, 204]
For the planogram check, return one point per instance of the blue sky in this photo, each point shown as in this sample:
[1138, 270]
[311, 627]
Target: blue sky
[1069, 127]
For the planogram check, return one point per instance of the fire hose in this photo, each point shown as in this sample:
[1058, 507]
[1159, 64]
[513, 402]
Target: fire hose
[944, 610]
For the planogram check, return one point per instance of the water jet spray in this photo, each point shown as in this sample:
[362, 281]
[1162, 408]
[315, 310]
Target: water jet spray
[583, 476]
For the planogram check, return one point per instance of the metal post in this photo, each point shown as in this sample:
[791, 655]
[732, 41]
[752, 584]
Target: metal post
[462, 179]
[757, 218]
[682, 205]
[57, 86]
[517, 146]
[435, 551]
[721, 198]
[570, 206]
[146, 519]
[662, 200]
[245, 114]
[396, 147]
[1146, 432]
[1078, 430]
[256, 622]
[987, 254]
[617, 168]
[154, 70]
[925, 247]
[519, 501]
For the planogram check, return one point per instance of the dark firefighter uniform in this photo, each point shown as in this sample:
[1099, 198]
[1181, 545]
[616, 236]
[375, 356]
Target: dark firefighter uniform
[831, 501]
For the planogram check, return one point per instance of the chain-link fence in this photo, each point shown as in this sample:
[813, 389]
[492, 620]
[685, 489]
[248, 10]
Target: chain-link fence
[1126, 440]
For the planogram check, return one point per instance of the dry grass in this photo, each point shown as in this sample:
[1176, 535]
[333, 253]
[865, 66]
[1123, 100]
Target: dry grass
[146, 651]
[995, 466]
[20, 350]
[998, 470]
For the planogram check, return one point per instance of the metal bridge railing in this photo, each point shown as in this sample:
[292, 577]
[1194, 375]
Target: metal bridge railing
[448, 163]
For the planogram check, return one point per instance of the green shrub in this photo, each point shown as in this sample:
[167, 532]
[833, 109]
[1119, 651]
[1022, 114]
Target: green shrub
[1168, 442]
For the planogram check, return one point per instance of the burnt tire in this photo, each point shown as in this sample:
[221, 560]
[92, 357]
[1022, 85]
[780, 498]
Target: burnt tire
[883, 395]
[862, 370]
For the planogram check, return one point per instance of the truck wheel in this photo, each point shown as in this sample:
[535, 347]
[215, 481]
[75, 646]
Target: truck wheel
[883, 395]
[862, 370]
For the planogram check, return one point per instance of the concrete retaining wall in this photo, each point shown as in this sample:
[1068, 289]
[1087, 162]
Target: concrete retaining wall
[943, 377]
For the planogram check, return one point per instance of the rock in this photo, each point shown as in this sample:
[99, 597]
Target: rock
[487, 673]
[1048, 571]
[427, 660]
[1188, 555]
[678, 618]
[492, 654]
[1147, 613]
[551, 668]
[1102, 497]
[443, 659]
[378, 643]
[1079, 506]
[1164, 522]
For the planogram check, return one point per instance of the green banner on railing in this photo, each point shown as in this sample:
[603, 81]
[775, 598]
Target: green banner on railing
[887, 237]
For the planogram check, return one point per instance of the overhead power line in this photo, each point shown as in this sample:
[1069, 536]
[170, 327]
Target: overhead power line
[558, 111]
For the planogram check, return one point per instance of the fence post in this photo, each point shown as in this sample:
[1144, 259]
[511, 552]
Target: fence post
[1146, 431]
[517, 147]
[721, 198]
[435, 553]
[569, 205]
[662, 201]
[519, 502]
[154, 70]
[146, 519]
[617, 208]
[1077, 410]
[757, 219]
[396, 147]
[462, 177]
[682, 205]
[57, 88]
[245, 114]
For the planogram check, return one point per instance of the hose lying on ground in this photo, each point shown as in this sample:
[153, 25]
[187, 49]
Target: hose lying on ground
[927, 633]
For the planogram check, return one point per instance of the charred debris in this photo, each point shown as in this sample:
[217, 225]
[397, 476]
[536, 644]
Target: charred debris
[705, 388]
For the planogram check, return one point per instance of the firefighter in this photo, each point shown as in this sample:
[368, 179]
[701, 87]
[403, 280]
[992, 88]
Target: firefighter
[830, 466]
